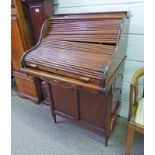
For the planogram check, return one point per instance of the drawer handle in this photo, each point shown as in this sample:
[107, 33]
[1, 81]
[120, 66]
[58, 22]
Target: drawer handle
[85, 79]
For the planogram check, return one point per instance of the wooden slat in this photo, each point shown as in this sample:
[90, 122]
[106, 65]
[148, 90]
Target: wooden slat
[72, 55]
[78, 49]
[74, 62]
[85, 38]
[78, 46]
[92, 30]
[88, 23]
[70, 60]
[108, 15]
[104, 32]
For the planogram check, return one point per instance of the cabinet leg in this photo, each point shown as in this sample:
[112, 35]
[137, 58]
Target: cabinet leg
[106, 140]
[54, 118]
[53, 115]
[107, 135]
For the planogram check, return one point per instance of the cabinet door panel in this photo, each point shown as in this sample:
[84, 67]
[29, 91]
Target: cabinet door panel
[37, 17]
[65, 99]
[92, 108]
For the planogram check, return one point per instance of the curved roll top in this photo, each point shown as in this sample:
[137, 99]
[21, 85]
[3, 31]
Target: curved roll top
[79, 46]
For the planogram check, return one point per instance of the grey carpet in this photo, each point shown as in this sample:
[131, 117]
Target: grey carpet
[34, 133]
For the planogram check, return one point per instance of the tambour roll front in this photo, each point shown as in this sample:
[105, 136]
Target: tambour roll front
[80, 60]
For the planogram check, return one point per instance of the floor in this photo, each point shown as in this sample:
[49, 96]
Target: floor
[34, 133]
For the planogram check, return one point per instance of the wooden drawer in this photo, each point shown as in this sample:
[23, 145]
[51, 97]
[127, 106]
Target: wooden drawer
[28, 87]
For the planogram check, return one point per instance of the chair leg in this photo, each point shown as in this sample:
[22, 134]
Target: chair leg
[130, 136]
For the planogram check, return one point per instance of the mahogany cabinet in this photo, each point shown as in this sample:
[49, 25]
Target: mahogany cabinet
[37, 12]
[28, 87]
[80, 60]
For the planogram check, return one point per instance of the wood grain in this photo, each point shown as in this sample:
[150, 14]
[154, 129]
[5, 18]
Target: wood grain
[84, 50]
[78, 58]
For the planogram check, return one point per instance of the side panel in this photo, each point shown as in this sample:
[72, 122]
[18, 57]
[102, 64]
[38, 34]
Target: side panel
[16, 44]
[92, 108]
[120, 52]
[27, 87]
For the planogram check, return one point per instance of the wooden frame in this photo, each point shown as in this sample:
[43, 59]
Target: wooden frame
[132, 126]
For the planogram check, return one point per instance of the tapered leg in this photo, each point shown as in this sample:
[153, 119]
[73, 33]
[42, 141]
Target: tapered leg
[130, 136]
[107, 135]
[53, 115]
[106, 140]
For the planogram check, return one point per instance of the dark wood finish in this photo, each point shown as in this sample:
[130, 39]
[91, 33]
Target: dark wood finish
[43, 88]
[38, 11]
[49, 99]
[62, 94]
[27, 86]
[96, 109]
[79, 58]
[12, 4]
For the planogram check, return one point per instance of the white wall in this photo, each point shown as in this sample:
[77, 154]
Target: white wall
[135, 50]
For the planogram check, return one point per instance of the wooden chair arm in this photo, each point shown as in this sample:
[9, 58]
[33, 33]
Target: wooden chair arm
[139, 73]
[133, 98]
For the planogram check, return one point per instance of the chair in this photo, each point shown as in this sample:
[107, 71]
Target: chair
[136, 110]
